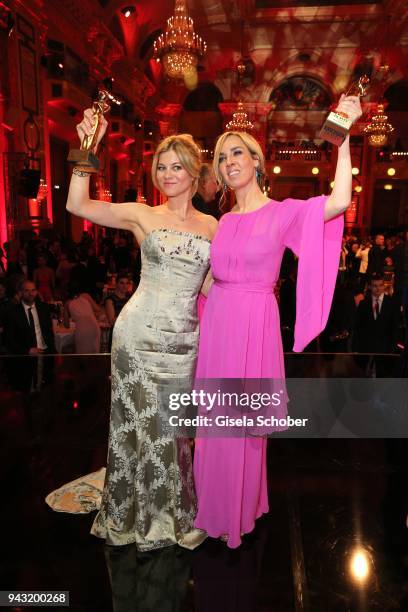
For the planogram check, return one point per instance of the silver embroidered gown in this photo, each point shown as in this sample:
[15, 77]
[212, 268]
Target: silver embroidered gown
[149, 495]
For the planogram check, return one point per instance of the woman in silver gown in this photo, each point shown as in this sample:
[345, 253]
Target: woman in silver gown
[148, 495]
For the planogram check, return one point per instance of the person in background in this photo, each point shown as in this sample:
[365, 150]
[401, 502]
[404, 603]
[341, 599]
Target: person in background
[377, 320]
[343, 260]
[205, 200]
[84, 312]
[362, 255]
[63, 275]
[376, 256]
[398, 254]
[335, 338]
[44, 278]
[12, 249]
[353, 263]
[28, 325]
[121, 256]
[116, 301]
[101, 276]
[54, 254]
[389, 274]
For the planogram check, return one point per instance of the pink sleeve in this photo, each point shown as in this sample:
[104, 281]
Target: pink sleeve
[201, 300]
[317, 244]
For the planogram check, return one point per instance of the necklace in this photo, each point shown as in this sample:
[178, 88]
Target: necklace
[189, 215]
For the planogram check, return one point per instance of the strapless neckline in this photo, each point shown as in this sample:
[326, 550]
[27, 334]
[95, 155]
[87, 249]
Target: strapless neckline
[174, 231]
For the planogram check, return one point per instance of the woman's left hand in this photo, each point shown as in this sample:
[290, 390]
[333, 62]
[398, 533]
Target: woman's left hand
[351, 106]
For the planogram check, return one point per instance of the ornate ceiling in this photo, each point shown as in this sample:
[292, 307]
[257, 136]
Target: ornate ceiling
[331, 36]
[325, 43]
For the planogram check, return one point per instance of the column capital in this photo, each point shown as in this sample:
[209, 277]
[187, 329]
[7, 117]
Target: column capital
[168, 109]
[168, 116]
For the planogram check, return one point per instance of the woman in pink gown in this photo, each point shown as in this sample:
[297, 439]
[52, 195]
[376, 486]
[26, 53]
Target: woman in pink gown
[240, 332]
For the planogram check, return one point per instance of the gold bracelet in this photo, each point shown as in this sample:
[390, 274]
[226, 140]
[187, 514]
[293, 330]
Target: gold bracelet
[79, 172]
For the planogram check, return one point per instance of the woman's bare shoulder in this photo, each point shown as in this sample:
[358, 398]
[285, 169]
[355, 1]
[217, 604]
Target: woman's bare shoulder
[209, 222]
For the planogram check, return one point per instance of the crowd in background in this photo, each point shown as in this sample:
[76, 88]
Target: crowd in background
[85, 285]
[369, 312]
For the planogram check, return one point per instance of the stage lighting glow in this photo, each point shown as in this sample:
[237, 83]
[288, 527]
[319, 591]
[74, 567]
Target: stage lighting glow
[127, 11]
[391, 171]
[277, 170]
[315, 170]
[360, 566]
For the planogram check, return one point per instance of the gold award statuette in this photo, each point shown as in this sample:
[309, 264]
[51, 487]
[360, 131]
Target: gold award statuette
[338, 125]
[85, 158]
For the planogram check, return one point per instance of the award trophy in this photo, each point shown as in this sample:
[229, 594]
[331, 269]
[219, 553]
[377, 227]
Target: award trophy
[338, 124]
[85, 158]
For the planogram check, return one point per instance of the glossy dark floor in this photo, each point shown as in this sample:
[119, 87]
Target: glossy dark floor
[327, 498]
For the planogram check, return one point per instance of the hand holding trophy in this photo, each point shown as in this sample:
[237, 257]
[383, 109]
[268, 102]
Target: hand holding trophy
[338, 124]
[91, 130]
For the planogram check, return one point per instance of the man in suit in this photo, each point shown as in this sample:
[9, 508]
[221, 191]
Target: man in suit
[205, 200]
[28, 327]
[376, 326]
[376, 256]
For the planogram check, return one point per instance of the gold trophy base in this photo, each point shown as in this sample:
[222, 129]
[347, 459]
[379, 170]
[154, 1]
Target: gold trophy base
[84, 160]
[335, 128]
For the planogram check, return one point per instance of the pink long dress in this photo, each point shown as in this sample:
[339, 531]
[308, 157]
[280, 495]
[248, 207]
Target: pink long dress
[240, 338]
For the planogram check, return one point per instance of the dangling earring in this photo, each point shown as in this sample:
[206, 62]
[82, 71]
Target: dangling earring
[223, 198]
[259, 177]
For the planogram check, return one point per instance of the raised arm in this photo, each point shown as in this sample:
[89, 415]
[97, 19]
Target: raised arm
[340, 197]
[120, 216]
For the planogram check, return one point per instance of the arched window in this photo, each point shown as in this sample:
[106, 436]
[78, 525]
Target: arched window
[397, 96]
[300, 93]
[201, 116]
[204, 98]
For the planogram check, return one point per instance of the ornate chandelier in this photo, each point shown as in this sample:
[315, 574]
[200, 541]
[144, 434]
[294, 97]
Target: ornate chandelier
[378, 128]
[179, 48]
[240, 121]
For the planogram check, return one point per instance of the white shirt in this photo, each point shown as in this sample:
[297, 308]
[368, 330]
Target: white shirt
[363, 255]
[380, 301]
[38, 334]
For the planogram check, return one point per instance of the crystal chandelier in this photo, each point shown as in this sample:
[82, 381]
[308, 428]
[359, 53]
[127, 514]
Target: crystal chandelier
[378, 128]
[179, 48]
[240, 121]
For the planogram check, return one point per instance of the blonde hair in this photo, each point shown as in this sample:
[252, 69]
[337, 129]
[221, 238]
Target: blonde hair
[188, 153]
[253, 147]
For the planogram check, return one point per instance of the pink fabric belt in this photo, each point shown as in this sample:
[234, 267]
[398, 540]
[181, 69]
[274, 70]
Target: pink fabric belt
[245, 287]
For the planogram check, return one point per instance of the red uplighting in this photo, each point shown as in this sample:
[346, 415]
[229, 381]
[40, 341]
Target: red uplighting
[75, 405]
